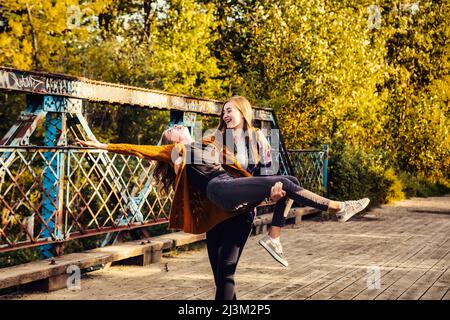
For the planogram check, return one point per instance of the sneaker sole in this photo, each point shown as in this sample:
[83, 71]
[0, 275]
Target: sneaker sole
[350, 216]
[273, 254]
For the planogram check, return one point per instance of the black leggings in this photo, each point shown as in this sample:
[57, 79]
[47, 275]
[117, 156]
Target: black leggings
[229, 193]
[225, 243]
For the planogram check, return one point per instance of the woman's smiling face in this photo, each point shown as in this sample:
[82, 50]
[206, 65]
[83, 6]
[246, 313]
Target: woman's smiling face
[232, 117]
[177, 133]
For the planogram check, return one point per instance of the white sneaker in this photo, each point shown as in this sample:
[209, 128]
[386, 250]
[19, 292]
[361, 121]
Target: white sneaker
[351, 208]
[274, 248]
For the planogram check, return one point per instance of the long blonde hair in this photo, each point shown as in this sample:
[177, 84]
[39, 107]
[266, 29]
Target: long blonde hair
[245, 108]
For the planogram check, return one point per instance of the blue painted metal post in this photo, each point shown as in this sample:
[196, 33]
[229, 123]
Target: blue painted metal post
[325, 169]
[53, 125]
[187, 119]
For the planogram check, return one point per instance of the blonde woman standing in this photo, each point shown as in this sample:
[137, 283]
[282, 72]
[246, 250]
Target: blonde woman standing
[253, 152]
[226, 241]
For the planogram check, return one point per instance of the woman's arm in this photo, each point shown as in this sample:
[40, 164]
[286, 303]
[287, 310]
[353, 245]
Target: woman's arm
[93, 143]
[265, 149]
[162, 153]
[276, 192]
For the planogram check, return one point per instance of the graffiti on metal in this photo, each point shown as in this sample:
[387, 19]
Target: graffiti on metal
[21, 81]
[61, 86]
[61, 104]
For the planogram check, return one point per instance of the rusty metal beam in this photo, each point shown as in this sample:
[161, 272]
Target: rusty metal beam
[79, 235]
[15, 80]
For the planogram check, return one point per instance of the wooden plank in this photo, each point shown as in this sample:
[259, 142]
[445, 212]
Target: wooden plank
[318, 283]
[358, 272]
[178, 239]
[365, 294]
[262, 221]
[421, 285]
[302, 266]
[435, 293]
[266, 271]
[332, 289]
[266, 218]
[38, 270]
[397, 280]
[33, 271]
[302, 280]
[337, 273]
[360, 284]
[439, 288]
[447, 295]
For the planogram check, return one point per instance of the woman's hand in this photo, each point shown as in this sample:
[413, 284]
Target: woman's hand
[92, 142]
[277, 192]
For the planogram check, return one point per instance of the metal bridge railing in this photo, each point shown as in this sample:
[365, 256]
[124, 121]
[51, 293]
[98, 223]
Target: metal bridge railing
[96, 192]
[56, 192]
[311, 168]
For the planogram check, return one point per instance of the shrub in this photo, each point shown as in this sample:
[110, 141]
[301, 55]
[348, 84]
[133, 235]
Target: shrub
[355, 173]
[420, 186]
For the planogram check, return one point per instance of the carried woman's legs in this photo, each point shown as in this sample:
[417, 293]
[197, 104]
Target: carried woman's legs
[229, 193]
[232, 193]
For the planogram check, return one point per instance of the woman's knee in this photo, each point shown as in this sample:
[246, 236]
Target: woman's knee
[293, 180]
[290, 183]
[229, 268]
[285, 180]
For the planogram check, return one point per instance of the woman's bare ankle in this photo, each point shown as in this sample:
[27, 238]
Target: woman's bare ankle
[335, 206]
[274, 232]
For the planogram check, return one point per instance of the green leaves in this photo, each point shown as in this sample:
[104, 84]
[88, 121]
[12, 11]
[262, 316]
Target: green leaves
[371, 75]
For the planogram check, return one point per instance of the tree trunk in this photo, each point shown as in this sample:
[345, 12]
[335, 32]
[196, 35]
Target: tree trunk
[36, 60]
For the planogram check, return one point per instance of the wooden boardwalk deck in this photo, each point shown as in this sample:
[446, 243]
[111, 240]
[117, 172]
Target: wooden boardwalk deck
[407, 243]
